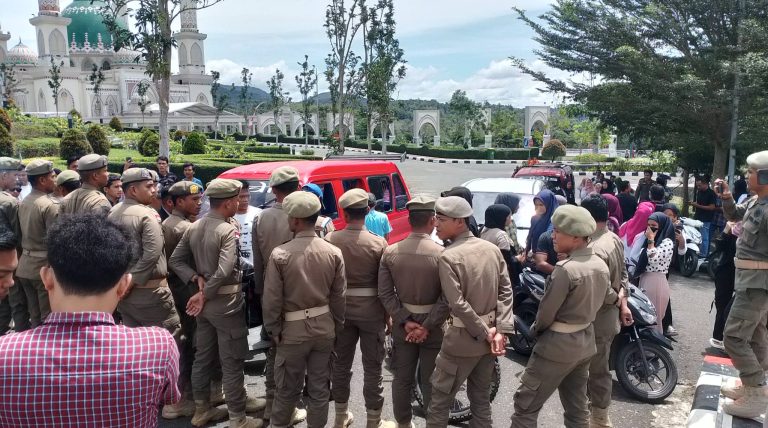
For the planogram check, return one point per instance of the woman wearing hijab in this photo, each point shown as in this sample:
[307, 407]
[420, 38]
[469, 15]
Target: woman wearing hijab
[586, 188]
[497, 218]
[546, 204]
[615, 216]
[654, 262]
[636, 225]
[570, 195]
[512, 202]
[465, 193]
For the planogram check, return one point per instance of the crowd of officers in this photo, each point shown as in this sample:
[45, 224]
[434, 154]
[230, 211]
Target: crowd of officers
[450, 306]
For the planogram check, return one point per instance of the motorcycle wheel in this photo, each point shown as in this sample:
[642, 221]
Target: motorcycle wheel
[460, 411]
[527, 313]
[632, 375]
[689, 263]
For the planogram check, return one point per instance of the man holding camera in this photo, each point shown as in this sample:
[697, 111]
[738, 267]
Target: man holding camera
[745, 335]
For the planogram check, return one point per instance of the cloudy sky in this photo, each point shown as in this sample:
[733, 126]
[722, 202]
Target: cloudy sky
[449, 44]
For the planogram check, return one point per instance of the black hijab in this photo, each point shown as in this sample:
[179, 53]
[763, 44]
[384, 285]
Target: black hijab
[461, 192]
[511, 200]
[666, 231]
[496, 216]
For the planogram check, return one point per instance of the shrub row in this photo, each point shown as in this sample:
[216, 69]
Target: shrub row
[453, 153]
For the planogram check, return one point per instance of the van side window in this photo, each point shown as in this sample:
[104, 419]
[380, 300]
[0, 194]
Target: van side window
[401, 198]
[329, 201]
[353, 183]
[382, 189]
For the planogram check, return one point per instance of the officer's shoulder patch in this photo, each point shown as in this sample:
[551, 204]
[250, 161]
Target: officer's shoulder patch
[280, 256]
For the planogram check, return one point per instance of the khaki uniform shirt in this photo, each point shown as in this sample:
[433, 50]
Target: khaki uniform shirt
[304, 273]
[173, 229]
[37, 213]
[496, 237]
[270, 229]
[609, 247]
[574, 293]
[211, 244]
[475, 282]
[9, 213]
[409, 274]
[143, 223]
[362, 252]
[753, 242]
[85, 200]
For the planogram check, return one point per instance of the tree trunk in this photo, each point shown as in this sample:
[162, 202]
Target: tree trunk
[720, 162]
[685, 192]
[277, 129]
[164, 80]
[384, 140]
[369, 132]
[340, 101]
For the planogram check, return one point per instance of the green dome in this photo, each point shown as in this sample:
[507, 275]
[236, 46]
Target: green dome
[87, 20]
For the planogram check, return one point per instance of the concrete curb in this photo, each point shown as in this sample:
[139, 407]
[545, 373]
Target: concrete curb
[706, 411]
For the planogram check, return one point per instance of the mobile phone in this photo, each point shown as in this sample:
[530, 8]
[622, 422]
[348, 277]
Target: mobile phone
[719, 188]
[679, 227]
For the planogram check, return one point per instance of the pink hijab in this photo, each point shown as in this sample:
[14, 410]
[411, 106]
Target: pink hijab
[638, 222]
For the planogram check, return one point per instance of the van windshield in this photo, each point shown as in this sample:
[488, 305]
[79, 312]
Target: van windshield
[261, 193]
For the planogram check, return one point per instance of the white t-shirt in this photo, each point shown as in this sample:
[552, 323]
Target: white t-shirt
[246, 225]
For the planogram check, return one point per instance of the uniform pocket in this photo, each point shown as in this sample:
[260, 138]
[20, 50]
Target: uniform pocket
[529, 388]
[444, 375]
[280, 372]
[238, 343]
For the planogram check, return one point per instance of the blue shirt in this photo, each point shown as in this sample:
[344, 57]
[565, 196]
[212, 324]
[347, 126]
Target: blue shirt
[377, 223]
[196, 181]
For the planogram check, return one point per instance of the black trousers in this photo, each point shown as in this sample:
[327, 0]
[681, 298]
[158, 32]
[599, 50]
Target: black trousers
[725, 277]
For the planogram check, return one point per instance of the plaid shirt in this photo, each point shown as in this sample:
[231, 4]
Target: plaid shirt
[82, 370]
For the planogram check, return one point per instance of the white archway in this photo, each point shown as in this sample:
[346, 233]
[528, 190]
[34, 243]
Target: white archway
[66, 101]
[57, 43]
[534, 114]
[2, 54]
[111, 105]
[41, 102]
[201, 98]
[422, 117]
[195, 55]
[182, 54]
[40, 43]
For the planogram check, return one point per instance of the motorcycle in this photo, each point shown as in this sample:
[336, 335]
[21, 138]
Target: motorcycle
[639, 353]
[526, 298]
[689, 262]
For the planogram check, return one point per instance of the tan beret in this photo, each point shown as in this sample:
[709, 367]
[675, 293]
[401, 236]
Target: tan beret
[758, 160]
[184, 188]
[91, 162]
[223, 188]
[9, 164]
[421, 203]
[39, 167]
[453, 207]
[574, 221]
[301, 204]
[355, 198]
[284, 174]
[67, 177]
[133, 175]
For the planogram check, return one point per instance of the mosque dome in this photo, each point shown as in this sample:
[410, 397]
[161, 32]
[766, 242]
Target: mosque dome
[21, 54]
[87, 28]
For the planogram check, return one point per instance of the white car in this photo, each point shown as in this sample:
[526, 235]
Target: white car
[485, 190]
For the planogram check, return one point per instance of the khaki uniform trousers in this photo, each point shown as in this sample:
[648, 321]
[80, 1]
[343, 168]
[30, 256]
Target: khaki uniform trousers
[293, 363]
[371, 337]
[746, 337]
[540, 380]
[151, 307]
[18, 300]
[181, 294]
[448, 377]
[405, 358]
[36, 297]
[221, 335]
[600, 384]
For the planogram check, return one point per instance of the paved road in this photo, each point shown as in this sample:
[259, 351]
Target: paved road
[690, 300]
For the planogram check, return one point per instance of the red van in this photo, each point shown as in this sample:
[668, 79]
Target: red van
[383, 179]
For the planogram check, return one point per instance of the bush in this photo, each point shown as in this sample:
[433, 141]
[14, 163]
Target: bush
[6, 142]
[5, 120]
[194, 144]
[277, 150]
[149, 143]
[37, 148]
[451, 152]
[307, 152]
[115, 124]
[553, 149]
[74, 143]
[593, 158]
[98, 140]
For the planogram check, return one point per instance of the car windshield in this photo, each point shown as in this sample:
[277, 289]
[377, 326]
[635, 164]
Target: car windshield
[525, 211]
[261, 193]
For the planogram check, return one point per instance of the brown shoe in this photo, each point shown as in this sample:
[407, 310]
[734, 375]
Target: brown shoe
[751, 405]
[204, 413]
[245, 422]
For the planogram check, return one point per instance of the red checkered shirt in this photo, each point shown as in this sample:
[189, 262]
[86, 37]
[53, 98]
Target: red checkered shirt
[81, 370]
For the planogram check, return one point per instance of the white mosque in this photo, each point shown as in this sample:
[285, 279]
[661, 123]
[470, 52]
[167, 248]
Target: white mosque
[78, 37]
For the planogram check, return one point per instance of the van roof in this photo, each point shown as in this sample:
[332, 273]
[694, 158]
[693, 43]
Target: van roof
[314, 169]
